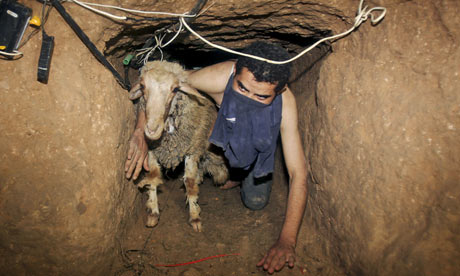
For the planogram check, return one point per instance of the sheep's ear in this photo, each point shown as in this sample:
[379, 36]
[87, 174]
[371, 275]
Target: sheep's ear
[190, 91]
[136, 92]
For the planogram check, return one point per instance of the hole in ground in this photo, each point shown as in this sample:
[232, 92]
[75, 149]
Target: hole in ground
[228, 226]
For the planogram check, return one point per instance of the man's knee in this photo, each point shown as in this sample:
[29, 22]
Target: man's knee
[255, 202]
[255, 192]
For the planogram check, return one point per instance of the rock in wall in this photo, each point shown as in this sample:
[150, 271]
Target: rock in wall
[63, 196]
[382, 139]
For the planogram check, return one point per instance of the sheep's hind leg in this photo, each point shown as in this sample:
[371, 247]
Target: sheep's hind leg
[192, 178]
[152, 180]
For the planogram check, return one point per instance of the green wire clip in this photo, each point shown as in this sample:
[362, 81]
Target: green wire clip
[128, 59]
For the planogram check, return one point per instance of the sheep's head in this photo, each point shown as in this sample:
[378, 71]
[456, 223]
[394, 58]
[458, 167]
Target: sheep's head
[158, 87]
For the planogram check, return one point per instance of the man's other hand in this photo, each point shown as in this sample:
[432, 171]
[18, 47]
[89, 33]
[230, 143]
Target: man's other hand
[278, 255]
[137, 154]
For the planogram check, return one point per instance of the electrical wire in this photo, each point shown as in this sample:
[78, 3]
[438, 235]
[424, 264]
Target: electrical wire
[134, 11]
[99, 11]
[15, 53]
[43, 17]
[145, 52]
[110, 15]
[36, 30]
[159, 44]
[363, 15]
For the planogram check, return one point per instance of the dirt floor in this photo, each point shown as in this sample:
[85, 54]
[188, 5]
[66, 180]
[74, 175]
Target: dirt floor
[228, 228]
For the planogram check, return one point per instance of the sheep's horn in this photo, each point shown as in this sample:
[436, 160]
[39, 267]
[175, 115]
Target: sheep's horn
[135, 92]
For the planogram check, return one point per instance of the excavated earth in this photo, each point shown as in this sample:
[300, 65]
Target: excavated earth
[379, 116]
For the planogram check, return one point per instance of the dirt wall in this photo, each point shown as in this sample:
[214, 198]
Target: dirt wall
[63, 197]
[382, 140]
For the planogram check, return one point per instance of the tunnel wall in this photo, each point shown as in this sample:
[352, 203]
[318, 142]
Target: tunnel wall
[63, 198]
[382, 141]
[379, 120]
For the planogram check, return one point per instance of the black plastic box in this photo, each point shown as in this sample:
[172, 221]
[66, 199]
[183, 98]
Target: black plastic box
[14, 19]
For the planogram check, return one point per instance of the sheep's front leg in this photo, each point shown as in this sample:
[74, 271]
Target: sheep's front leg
[151, 181]
[192, 179]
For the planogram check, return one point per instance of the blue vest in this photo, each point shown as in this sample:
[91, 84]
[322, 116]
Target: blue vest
[247, 131]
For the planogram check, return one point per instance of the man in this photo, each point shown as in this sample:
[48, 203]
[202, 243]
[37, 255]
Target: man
[255, 106]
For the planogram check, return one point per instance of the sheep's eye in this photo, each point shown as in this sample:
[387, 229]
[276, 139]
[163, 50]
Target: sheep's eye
[142, 86]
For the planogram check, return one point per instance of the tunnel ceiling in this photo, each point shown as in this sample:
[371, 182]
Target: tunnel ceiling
[234, 24]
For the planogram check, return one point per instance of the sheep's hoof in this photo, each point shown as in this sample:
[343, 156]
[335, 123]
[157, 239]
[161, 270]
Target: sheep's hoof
[152, 220]
[196, 224]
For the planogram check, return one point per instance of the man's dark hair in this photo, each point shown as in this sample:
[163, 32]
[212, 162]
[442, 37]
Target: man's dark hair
[263, 71]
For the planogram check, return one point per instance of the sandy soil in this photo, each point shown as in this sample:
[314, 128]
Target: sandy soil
[229, 228]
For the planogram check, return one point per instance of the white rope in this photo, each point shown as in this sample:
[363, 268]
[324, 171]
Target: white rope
[88, 6]
[16, 53]
[147, 52]
[177, 33]
[98, 11]
[136, 11]
[362, 16]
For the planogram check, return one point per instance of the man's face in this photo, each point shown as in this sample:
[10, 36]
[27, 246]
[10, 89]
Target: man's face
[246, 84]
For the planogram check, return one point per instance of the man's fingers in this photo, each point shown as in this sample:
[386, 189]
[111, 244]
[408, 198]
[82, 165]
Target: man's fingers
[277, 264]
[280, 264]
[129, 158]
[291, 261]
[127, 163]
[271, 262]
[130, 151]
[262, 261]
[146, 164]
[132, 165]
[139, 163]
[268, 260]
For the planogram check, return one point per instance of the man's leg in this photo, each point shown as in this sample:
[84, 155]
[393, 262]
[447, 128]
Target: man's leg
[255, 192]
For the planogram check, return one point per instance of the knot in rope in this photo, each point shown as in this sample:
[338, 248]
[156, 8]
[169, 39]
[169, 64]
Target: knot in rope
[363, 14]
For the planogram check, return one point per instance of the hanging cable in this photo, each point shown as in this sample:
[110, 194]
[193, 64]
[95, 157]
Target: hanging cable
[43, 18]
[132, 10]
[84, 38]
[147, 52]
[363, 15]
[89, 6]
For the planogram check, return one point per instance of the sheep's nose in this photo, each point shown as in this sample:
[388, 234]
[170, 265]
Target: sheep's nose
[152, 131]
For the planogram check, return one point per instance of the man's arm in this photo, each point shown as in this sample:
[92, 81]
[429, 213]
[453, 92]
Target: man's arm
[283, 251]
[212, 79]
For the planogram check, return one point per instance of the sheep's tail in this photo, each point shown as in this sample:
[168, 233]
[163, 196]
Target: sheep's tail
[214, 164]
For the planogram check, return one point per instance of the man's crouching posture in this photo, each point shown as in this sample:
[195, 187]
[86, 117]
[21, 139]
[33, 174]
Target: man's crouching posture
[255, 106]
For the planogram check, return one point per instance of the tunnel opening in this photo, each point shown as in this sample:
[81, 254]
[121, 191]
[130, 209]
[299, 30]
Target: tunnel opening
[229, 227]
[197, 54]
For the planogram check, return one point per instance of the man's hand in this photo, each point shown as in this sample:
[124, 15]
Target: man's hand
[279, 254]
[137, 154]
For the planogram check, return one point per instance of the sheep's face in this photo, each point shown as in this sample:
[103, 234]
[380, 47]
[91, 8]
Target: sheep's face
[158, 85]
[158, 91]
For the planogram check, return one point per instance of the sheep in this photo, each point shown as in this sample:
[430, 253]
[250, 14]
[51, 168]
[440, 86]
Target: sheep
[179, 121]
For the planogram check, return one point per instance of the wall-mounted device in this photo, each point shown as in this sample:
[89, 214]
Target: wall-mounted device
[14, 19]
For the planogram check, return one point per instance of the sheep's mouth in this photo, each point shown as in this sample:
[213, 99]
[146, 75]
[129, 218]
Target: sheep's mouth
[155, 133]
